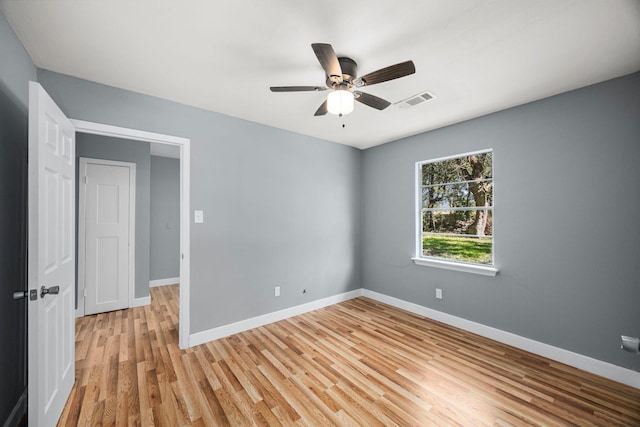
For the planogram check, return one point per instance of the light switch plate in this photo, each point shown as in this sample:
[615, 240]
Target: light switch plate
[198, 217]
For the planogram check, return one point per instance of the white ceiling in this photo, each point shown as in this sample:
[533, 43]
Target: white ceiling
[475, 56]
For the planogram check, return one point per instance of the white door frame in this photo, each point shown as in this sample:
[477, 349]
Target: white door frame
[185, 172]
[82, 201]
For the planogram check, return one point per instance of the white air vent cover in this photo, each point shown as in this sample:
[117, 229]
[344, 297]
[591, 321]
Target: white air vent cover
[415, 100]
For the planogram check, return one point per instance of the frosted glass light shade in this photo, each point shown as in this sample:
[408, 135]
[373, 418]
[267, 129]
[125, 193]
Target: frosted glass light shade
[340, 102]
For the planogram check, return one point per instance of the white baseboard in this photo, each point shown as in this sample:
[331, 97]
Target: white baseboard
[585, 363]
[594, 366]
[139, 302]
[163, 282]
[254, 322]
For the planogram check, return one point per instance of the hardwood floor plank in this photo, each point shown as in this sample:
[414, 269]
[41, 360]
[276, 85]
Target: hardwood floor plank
[359, 362]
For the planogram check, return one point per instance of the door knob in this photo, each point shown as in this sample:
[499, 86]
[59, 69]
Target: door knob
[20, 294]
[54, 290]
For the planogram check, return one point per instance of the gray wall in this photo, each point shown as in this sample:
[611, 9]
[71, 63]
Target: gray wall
[16, 70]
[281, 209]
[107, 148]
[284, 209]
[566, 232]
[165, 218]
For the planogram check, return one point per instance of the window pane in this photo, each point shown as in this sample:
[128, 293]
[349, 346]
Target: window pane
[467, 249]
[471, 222]
[466, 168]
[456, 208]
[445, 171]
[465, 195]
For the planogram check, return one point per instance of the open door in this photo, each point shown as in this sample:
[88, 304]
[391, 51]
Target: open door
[51, 258]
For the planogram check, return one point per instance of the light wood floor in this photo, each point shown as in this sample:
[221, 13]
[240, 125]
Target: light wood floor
[355, 363]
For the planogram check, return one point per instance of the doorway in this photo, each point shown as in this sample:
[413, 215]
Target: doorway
[183, 144]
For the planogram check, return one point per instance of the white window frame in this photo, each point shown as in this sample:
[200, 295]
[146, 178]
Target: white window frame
[419, 259]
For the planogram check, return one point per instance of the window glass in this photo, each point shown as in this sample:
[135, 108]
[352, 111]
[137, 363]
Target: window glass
[456, 208]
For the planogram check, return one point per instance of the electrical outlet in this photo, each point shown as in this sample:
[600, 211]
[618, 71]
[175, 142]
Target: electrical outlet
[631, 344]
[438, 293]
[277, 291]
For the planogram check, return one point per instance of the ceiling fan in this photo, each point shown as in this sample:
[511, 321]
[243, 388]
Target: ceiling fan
[343, 82]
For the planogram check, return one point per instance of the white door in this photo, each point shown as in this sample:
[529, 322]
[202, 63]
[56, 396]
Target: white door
[51, 258]
[105, 232]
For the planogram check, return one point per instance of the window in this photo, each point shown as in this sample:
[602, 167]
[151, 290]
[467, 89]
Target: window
[455, 211]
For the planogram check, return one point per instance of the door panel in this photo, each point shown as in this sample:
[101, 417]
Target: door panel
[51, 259]
[107, 233]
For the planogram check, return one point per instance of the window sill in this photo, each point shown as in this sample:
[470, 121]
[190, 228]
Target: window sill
[456, 266]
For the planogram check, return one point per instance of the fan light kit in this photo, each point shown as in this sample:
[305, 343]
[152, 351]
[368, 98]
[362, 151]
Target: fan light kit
[340, 102]
[341, 79]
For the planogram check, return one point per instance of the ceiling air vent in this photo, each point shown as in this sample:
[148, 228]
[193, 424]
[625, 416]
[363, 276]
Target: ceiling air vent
[415, 100]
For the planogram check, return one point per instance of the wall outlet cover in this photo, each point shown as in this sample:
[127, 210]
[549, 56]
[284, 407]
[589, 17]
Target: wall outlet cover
[631, 344]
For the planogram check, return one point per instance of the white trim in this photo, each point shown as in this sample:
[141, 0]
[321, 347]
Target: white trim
[254, 322]
[119, 132]
[454, 156]
[475, 236]
[164, 282]
[455, 182]
[139, 302]
[457, 209]
[185, 172]
[82, 190]
[594, 366]
[417, 191]
[185, 245]
[485, 270]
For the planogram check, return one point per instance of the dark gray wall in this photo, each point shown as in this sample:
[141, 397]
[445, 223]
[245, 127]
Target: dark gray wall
[16, 70]
[165, 218]
[107, 148]
[566, 208]
[281, 209]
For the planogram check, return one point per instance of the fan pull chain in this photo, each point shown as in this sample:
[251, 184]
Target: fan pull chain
[342, 117]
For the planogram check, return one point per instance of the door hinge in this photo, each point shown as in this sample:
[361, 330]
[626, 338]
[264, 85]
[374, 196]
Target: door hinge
[84, 292]
[85, 179]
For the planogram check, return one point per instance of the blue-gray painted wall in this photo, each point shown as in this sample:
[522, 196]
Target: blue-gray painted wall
[280, 209]
[565, 220]
[165, 218]
[559, 163]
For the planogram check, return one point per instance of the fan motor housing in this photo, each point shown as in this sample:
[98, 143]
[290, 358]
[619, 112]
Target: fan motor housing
[349, 72]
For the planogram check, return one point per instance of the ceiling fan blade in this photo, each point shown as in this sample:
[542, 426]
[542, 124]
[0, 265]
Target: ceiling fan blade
[385, 74]
[329, 61]
[322, 110]
[297, 88]
[371, 100]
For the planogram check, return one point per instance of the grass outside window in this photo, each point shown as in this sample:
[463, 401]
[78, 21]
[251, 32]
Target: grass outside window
[475, 250]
